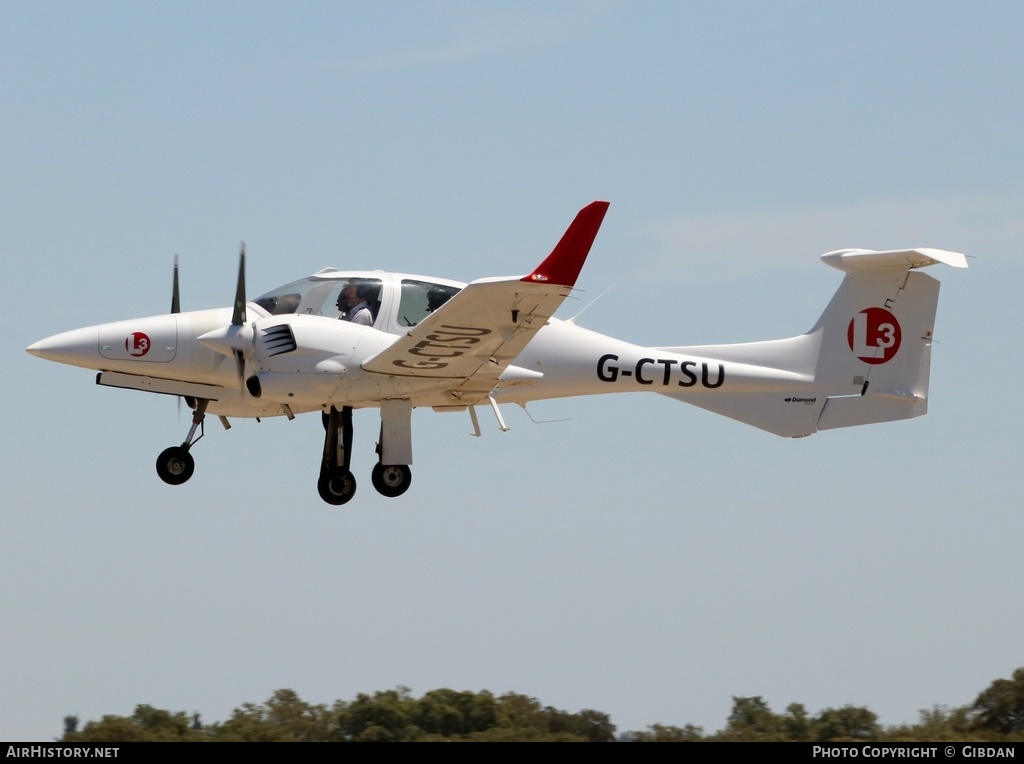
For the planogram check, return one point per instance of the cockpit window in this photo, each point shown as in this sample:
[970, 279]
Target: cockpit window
[319, 297]
[420, 299]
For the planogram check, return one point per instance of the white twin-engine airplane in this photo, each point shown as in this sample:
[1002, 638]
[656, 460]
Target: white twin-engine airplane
[404, 341]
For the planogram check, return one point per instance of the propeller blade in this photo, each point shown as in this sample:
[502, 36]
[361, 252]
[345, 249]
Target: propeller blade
[175, 293]
[238, 316]
[240, 364]
[176, 308]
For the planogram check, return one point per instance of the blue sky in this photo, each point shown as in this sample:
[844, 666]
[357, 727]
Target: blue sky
[646, 559]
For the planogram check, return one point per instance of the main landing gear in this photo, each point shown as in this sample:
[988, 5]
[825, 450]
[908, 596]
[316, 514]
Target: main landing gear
[391, 477]
[337, 484]
[175, 465]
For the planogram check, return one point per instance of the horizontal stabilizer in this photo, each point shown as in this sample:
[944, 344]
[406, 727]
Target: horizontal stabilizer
[853, 260]
[850, 411]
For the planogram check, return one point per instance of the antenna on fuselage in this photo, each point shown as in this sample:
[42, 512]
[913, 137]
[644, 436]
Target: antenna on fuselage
[543, 421]
[573, 319]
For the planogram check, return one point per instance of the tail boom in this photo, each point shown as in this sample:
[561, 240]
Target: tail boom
[865, 361]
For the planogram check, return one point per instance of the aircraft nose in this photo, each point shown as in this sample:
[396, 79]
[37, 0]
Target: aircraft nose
[77, 347]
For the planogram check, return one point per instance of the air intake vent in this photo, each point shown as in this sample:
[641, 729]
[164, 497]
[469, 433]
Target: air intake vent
[278, 339]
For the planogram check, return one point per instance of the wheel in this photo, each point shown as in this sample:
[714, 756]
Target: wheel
[337, 487]
[391, 479]
[175, 465]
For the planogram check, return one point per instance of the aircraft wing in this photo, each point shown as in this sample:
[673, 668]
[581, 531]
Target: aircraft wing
[474, 337]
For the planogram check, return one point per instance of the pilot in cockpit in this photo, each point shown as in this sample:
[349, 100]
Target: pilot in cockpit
[353, 302]
[438, 296]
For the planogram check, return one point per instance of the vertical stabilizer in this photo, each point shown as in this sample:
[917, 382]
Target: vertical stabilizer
[876, 343]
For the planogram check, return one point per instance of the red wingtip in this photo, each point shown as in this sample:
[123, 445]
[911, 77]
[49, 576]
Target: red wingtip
[566, 260]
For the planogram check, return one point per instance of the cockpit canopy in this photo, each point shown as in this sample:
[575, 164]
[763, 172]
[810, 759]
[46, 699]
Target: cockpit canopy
[397, 301]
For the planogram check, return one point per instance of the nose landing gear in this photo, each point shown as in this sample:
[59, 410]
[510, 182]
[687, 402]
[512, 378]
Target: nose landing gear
[175, 465]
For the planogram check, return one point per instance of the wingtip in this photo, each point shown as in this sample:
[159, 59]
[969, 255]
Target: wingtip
[566, 260]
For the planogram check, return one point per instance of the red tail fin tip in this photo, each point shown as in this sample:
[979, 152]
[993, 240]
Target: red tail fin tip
[566, 260]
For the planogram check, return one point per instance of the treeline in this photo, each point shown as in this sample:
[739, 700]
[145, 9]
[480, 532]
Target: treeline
[996, 715]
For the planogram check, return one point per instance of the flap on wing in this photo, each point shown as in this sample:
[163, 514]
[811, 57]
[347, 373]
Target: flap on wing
[474, 337]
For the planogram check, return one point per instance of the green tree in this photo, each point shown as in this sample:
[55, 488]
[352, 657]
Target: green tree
[937, 724]
[1001, 707]
[147, 724]
[522, 718]
[592, 726]
[846, 723]
[664, 733]
[796, 724]
[448, 713]
[752, 720]
[384, 717]
[283, 718]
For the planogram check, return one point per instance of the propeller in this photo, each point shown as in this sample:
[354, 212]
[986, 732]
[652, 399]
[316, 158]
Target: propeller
[175, 292]
[176, 308]
[235, 339]
[238, 315]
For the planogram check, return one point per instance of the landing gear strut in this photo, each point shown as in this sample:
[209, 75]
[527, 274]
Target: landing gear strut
[391, 475]
[337, 484]
[175, 465]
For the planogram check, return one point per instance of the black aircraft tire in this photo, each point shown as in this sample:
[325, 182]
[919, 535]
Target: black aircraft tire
[175, 465]
[392, 479]
[336, 487]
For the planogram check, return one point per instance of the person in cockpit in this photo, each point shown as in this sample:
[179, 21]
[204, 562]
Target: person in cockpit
[437, 297]
[353, 302]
